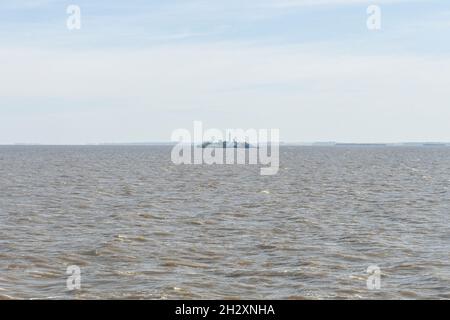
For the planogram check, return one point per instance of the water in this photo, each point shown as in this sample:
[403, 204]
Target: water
[140, 227]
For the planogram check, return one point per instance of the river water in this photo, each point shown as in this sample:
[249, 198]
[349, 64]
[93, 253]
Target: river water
[139, 227]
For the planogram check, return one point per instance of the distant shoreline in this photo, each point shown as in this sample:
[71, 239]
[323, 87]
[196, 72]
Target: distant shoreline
[292, 144]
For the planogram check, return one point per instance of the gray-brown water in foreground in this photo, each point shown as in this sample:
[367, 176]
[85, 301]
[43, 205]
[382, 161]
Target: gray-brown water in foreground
[140, 227]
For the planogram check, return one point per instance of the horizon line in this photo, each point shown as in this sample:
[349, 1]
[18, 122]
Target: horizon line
[292, 143]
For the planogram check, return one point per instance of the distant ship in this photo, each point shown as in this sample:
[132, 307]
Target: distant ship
[226, 144]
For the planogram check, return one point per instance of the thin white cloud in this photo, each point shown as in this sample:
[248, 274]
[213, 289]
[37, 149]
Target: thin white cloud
[26, 4]
[301, 3]
[309, 96]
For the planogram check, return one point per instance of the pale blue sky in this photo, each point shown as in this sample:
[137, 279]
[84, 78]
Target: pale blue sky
[137, 70]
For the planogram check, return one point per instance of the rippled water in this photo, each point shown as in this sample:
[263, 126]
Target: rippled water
[140, 227]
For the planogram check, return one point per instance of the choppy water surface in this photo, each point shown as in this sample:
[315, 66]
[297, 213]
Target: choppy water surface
[140, 227]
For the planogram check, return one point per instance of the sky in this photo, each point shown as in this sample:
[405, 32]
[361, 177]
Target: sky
[138, 70]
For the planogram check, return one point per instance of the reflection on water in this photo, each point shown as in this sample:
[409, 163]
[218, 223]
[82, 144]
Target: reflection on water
[140, 227]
